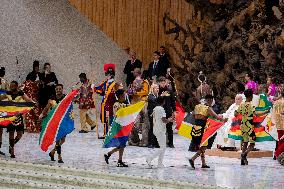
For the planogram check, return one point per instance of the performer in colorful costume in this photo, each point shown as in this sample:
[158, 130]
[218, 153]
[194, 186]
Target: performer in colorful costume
[278, 119]
[201, 113]
[107, 90]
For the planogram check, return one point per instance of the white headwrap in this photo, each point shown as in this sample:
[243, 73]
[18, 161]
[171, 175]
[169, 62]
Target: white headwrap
[243, 97]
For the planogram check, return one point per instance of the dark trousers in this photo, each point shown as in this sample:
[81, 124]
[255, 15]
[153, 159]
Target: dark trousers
[170, 133]
[152, 140]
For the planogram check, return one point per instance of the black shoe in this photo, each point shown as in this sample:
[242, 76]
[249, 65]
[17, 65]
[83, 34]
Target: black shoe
[2, 153]
[205, 167]
[274, 157]
[82, 131]
[13, 156]
[191, 162]
[101, 137]
[51, 157]
[60, 161]
[255, 149]
[151, 146]
[171, 146]
[121, 164]
[93, 127]
[106, 158]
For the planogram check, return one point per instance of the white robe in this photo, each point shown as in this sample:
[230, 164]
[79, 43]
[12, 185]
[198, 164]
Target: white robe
[222, 134]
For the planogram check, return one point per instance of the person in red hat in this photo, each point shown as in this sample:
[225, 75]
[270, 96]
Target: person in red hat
[107, 90]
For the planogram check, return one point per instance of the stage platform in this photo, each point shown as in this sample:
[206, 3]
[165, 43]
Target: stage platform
[237, 154]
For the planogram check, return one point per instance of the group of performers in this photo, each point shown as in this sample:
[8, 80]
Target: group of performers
[115, 97]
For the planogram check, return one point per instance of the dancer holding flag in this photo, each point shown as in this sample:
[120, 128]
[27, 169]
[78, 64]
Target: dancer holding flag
[58, 121]
[16, 98]
[121, 126]
[201, 113]
[120, 95]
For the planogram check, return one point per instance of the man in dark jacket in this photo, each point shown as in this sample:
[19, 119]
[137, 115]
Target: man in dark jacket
[170, 106]
[130, 66]
[157, 68]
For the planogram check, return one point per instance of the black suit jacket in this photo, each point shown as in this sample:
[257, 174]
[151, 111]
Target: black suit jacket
[158, 71]
[129, 68]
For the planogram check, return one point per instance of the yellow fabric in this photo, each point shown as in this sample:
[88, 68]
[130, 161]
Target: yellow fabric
[185, 130]
[117, 106]
[85, 119]
[201, 109]
[247, 110]
[130, 109]
[143, 93]
[247, 138]
[278, 114]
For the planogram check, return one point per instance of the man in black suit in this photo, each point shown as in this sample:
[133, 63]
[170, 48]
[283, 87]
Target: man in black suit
[155, 67]
[130, 66]
[170, 107]
[165, 58]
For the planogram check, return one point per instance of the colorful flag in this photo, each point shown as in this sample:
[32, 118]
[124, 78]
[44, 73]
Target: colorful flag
[9, 111]
[260, 125]
[179, 114]
[186, 126]
[212, 126]
[122, 125]
[58, 123]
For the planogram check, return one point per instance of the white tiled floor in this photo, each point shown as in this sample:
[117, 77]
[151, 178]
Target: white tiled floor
[85, 151]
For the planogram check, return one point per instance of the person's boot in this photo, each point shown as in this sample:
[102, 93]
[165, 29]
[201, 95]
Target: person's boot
[11, 148]
[191, 162]
[121, 164]
[106, 158]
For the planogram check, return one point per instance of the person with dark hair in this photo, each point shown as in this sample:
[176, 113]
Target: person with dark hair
[31, 88]
[35, 73]
[107, 89]
[170, 106]
[120, 94]
[86, 104]
[156, 68]
[250, 83]
[52, 103]
[15, 95]
[247, 110]
[130, 66]
[165, 59]
[201, 113]
[159, 129]
[49, 80]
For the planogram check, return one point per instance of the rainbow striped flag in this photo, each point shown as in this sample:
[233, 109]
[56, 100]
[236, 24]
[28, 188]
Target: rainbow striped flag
[122, 125]
[58, 123]
[9, 111]
[260, 125]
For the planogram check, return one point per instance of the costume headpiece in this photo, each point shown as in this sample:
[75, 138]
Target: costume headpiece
[109, 69]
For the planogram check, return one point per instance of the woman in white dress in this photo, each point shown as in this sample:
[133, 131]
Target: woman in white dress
[223, 142]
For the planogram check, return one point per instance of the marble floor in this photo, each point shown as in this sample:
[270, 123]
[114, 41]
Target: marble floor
[85, 151]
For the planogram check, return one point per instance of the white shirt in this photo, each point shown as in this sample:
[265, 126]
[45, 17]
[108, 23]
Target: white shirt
[159, 127]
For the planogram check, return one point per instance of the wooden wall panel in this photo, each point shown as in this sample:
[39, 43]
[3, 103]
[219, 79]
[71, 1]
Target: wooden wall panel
[135, 23]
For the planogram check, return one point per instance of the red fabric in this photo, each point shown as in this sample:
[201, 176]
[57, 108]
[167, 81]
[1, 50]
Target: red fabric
[179, 114]
[280, 147]
[108, 66]
[31, 89]
[125, 131]
[212, 128]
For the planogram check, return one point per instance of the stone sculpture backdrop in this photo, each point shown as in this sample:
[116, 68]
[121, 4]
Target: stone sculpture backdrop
[225, 39]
